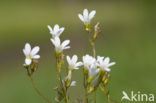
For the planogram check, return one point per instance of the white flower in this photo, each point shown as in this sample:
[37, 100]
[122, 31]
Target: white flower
[58, 46]
[56, 31]
[104, 63]
[93, 71]
[88, 61]
[73, 83]
[30, 54]
[87, 17]
[73, 64]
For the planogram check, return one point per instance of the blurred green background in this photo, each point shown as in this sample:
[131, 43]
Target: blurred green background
[128, 37]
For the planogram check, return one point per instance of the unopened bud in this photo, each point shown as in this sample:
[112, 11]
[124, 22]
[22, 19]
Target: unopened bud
[68, 79]
[96, 31]
[34, 65]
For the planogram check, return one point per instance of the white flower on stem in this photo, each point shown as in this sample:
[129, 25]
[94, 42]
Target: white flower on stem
[88, 61]
[104, 63]
[56, 31]
[30, 54]
[93, 71]
[72, 62]
[73, 83]
[60, 46]
[87, 17]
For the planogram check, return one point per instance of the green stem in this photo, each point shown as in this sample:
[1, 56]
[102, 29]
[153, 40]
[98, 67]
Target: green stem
[86, 97]
[92, 42]
[58, 65]
[34, 86]
[95, 97]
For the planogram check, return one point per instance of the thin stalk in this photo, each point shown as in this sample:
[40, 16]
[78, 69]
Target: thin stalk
[93, 48]
[66, 98]
[92, 42]
[86, 97]
[95, 97]
[38, 92]
[85, 87]
[58, 67]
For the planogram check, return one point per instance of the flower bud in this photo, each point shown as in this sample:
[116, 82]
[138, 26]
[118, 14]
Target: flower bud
[96, 31]
[68, 79]
[34, 65]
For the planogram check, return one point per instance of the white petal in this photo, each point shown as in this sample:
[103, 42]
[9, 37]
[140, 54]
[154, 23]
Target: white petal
[25, 53]
[36, 57]
[65, 43]
[28, 61]
[57, 41]
[79, 64]
[85, 13]
[91, 15]
[27, 48]
[107, 59]
[73, 83]
[60, 31]
[74, 59]
[53, 41]
[76, 68]
[67, 47]
[53, 34]
[99, 58]
[81, 17]
[56, 28]
[35, 50]
[50, 29]
[107, 69]
[68, 60]
[111, 64]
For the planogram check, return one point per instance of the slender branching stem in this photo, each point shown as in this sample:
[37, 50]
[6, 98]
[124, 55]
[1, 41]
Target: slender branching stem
[37, 91]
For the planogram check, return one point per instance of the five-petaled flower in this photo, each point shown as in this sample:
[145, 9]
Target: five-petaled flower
[104, 63]
[58, 46]
[72, 62]
[30, 54]
[56, 31]
[87, 17]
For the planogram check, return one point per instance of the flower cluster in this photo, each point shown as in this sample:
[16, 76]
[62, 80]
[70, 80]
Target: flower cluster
[96, 70]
